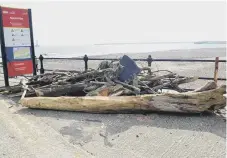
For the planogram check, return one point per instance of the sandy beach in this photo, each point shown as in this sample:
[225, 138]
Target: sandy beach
[181, 68]
[71, 134]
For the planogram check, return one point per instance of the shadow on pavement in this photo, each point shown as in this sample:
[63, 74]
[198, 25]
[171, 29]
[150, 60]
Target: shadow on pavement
[117, 123]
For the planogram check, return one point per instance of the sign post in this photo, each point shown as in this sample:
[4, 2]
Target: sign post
[4, 60]
[32, 41]
[18, 54]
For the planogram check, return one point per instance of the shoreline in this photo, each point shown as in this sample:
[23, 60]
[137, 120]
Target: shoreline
[221, 52]
[210, 52]
[179, 52]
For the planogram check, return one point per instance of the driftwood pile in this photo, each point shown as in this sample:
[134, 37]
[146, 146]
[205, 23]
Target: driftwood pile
[102, 90]
[101, 82]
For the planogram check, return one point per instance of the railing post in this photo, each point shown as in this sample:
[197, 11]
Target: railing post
[86, 62]
[216, 70]
[149, 60]
[41, 64]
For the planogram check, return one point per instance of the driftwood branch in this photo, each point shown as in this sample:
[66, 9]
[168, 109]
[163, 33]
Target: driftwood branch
[175, 82]
[150, 78]
[133, 88]
[84, 75]
[208, 86]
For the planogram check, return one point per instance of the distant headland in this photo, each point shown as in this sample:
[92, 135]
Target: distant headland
[210, 42]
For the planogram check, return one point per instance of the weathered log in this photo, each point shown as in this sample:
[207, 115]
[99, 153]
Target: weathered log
[44, 80]
[176, 82]
[98, 83]
[72, 71]
[84, 75]
[183, 80]
[28, 94]
[47, 78]
[119, 93]
[56, 91]
[177, 88]
[108, 80]
[14, 89]
[91, 88]
[208, 86]
[133, 88]
[149, 90]
[190, 102]
[151, 78]
[106, 90]
[2, 89]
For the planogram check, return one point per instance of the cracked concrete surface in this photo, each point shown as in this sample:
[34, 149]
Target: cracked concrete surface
[23, 136]
[44, 133]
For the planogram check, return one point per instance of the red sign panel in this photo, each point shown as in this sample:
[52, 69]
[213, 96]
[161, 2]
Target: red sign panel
[17, 18]
[18, 68]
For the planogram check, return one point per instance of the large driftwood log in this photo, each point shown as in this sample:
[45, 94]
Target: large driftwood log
[193, 102]
[55, 91]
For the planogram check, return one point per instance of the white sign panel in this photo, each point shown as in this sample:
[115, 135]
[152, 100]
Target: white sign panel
[17, 37]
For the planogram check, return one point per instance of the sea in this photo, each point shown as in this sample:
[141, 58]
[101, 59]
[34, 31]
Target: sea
[115, 48]
[105, 49]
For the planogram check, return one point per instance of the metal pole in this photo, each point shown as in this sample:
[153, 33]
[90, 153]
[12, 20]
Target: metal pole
[149, 60]
[32, 41]
[4, 58]
[86, 62]
[41, 64]
[216, 70]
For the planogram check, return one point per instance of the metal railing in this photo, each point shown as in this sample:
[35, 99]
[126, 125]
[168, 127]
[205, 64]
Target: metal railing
[149, 60]
[152, 60]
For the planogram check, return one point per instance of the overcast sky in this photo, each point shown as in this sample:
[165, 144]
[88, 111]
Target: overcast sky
[78, 23]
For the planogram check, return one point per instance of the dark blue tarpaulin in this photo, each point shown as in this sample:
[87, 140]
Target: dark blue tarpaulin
[129, 68]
